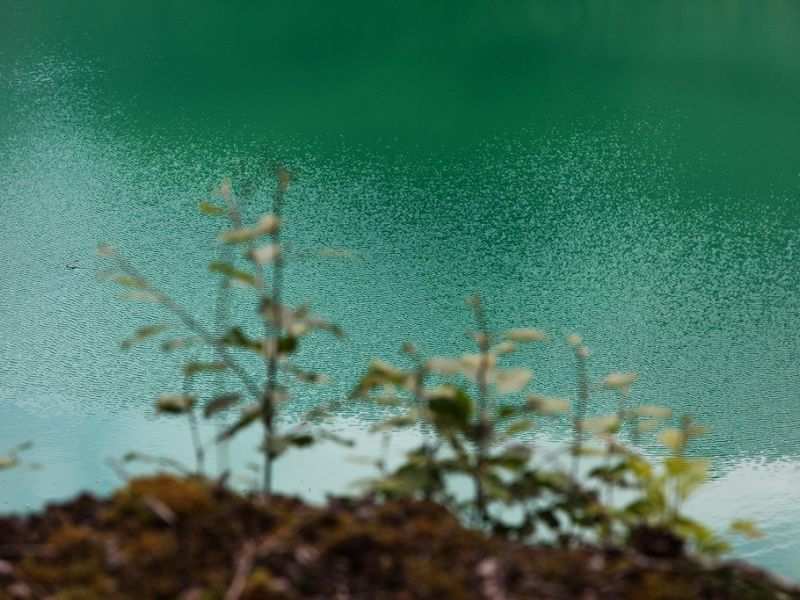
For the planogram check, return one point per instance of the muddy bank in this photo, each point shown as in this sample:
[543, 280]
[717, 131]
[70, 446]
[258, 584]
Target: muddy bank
[169, 538]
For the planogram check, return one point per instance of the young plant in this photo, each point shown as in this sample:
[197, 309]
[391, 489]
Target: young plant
[469, 410]
[475, 436]
[456, 400]
[284, 328]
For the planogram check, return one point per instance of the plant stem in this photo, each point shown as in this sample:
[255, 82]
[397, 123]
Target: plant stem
[221, 320]
[580, 413]
[484, 426]
[197, 441]
[268, 397]
[419, 397]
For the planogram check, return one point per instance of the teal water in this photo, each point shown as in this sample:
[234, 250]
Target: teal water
[625, 170]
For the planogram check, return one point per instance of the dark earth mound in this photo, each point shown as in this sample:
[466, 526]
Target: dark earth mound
[163, 537]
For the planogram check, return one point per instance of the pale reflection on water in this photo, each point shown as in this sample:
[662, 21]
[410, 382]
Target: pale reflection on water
[765, 491]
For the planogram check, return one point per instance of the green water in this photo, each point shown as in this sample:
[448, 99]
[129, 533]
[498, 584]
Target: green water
[627, 170]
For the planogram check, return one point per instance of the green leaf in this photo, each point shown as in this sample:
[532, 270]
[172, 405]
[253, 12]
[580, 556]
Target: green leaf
[210, 209]
[548, 406]
[446, 367]
[677, 466]
[639, 466]
[249, 416]
[605, 424]
[506, 411]
[264, 254]
[236, 337]
[526, 334]
[513, 457]
[175, 344]
[503, 348]
[747, 528]
[512, 380]
[145, 333]
[451, 410]
[287, 344]
[193, 368]
[227, 269]
[305, 376]
[411, 478]
[8, 462]
[175, 403]
[300, 440]
[587, 450]
[396, 422]
[714, 546]
[322, 325]
[325, 434]
[705, 539]
[673, 439]
[220, 403]
[619, 380]
[267, 225]
[610, 474]
[379, 374]
[655, 412]
[495, 488]
[278, 444]
[277, 315]
[520, 426]
[695, 474]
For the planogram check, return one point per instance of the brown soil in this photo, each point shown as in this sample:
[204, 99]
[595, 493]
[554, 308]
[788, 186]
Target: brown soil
[169, 538]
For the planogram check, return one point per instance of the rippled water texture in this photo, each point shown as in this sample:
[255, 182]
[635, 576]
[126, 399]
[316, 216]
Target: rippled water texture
[629, 172]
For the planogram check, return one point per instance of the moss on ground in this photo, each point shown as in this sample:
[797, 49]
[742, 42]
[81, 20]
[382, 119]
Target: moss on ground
[163, 537]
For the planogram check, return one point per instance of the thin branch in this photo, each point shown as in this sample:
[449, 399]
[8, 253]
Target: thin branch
[268, 397]
[583, 403]
[197, 441]
[484, 426]
[244, 566]
[194, 326]
[221, 320]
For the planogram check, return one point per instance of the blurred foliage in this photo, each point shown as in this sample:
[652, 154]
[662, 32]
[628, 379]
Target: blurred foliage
[475, 426]
[284, 327]
[473, 413]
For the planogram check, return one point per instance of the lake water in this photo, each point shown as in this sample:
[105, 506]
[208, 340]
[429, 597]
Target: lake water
[627, 170]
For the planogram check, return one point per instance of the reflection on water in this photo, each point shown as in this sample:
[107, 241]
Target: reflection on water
[626, 172]
[765, 491]
[73, 451]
